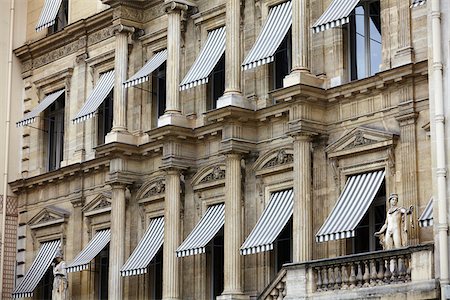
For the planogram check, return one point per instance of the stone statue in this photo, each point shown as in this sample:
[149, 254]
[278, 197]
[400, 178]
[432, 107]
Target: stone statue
[394, 233]
[60, 284]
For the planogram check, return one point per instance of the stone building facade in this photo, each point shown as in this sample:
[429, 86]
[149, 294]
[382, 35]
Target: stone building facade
[190, 150]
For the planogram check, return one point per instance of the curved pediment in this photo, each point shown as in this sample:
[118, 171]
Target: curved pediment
[154, 187]
[274, 160]
[100, 204]
[209, 176]
[360, 139]
[48, 216]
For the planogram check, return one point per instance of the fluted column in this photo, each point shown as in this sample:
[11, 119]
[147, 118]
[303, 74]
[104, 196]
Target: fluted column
[172, 234]
[302, 215]
[117, 243]
[233, 47]
[300, 36]
[120, 69]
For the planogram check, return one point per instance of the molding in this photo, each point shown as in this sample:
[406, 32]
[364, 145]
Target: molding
[99, 205]
[274, 161]
[152, 189]
[49, 216]
[210, 176]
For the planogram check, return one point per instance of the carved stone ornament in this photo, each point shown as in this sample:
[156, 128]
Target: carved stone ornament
[216, 174]
[360, 140]
[48, 216]
[158, 188]
[280, 159]
[100, 204]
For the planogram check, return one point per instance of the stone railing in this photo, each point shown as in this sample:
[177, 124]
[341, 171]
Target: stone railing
[276, 290]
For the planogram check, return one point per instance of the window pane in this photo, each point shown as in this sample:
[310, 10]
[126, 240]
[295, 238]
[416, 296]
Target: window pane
[375, 37]
[360, 43]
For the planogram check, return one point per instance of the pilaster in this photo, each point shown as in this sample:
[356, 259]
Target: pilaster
[405, 53]
[80, 92]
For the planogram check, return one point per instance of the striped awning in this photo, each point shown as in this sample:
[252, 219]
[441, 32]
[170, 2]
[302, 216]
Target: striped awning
[337, 14]
[48, 14]
[30, 117]
[92, 249]
[146, 249]
[98, 95]
[40, 265]
[205, 230]
[426, 218]
[356, 198]
[272, 34]
[208, 58]
[143, 74]
[415, 3]
[272, 221]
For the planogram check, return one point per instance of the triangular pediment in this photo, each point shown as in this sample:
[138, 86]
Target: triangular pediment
[48, 216]
[100, 204]
[360, 139]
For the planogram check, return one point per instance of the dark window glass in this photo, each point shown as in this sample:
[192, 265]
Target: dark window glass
[44, 289]
[365, 40]
[105, 118]
[61, 19]
[281, 65]
[155, 275]
[102, 273]
[216, 85]
[159, 89]
[54, 133]
[283, 246]
[217, 264]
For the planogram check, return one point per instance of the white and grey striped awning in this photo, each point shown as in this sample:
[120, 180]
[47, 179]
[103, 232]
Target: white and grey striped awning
[48, 14]
[205, 230]
[30, 117]
[426, 218]
[208, 58]
[95, 245]
[355, 199]
[337, 14]
[143, 74]
[104, 86]
[40, 265]
[272, 221]
[272, 34]
[415, 3]
[146, 249]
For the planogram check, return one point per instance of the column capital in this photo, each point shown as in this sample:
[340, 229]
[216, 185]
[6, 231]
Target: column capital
[302, 136]
[405, 119]
[176, 6]
[122, 29]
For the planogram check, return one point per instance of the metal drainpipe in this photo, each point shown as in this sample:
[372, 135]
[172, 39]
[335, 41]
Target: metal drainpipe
[439, 120]
[7, 126]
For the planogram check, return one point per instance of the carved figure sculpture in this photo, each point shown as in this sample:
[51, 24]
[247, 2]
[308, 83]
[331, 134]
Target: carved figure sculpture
[394, 233]
[60, 284]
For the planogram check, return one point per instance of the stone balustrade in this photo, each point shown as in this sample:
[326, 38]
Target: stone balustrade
[276, 290]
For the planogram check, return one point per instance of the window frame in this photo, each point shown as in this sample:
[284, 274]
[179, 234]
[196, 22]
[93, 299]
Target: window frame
[212, 89]
[54, 135]
[105, 117]
[61, 19]
[158, 93]
[275, 78]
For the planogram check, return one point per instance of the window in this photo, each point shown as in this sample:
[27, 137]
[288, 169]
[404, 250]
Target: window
[102, 273]
[159, 89]
[62, 18]
[54, 133]
[105, 118]
[364, 31]
[44, 289]
[373, 220]
[282, 61]
[155, 270]
[283, 247]
[215, 263]
[216, 86]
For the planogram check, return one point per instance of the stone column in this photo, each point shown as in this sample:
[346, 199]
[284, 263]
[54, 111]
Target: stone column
[302, 216]
[117, 243]
[404, 54]
[233, 229]
[172, 236]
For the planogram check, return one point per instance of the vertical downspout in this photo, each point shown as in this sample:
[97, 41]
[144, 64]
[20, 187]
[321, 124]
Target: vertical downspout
[7, 126]
[439, 120]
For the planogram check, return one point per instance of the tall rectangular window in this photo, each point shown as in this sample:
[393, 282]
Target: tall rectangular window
[62, 18]
[54, 133]
[283, 247]
[45, 286]
[282, 62]
[216, 84]
[102, 273]
[155, 270]
[105, 118]
[217, 252]
[364, 31]
[159, 90]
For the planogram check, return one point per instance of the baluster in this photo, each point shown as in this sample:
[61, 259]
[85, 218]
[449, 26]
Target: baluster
[380, 274]
[325, 278]
[401, 269]
[387, 273]
[408, 268]
[394, 269]
[319, 280]
[338, 279]
[359, 276]
[280, 288]
[274, 294]
[344, 277]
[352, 276]
[330, 278]
[373, 273]
[366, 275]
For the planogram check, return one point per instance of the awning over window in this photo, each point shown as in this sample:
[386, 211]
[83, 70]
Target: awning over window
[205, 230]
[272, 221]
[92, 249]
[104, 86]
[143, 74]
[359, 192]
[208, 58]
[272, 34]
[40, 265]
[146, 249]
[46, 102]
[426, 218]
[48, 14]
[415, 3]
[336, 14]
